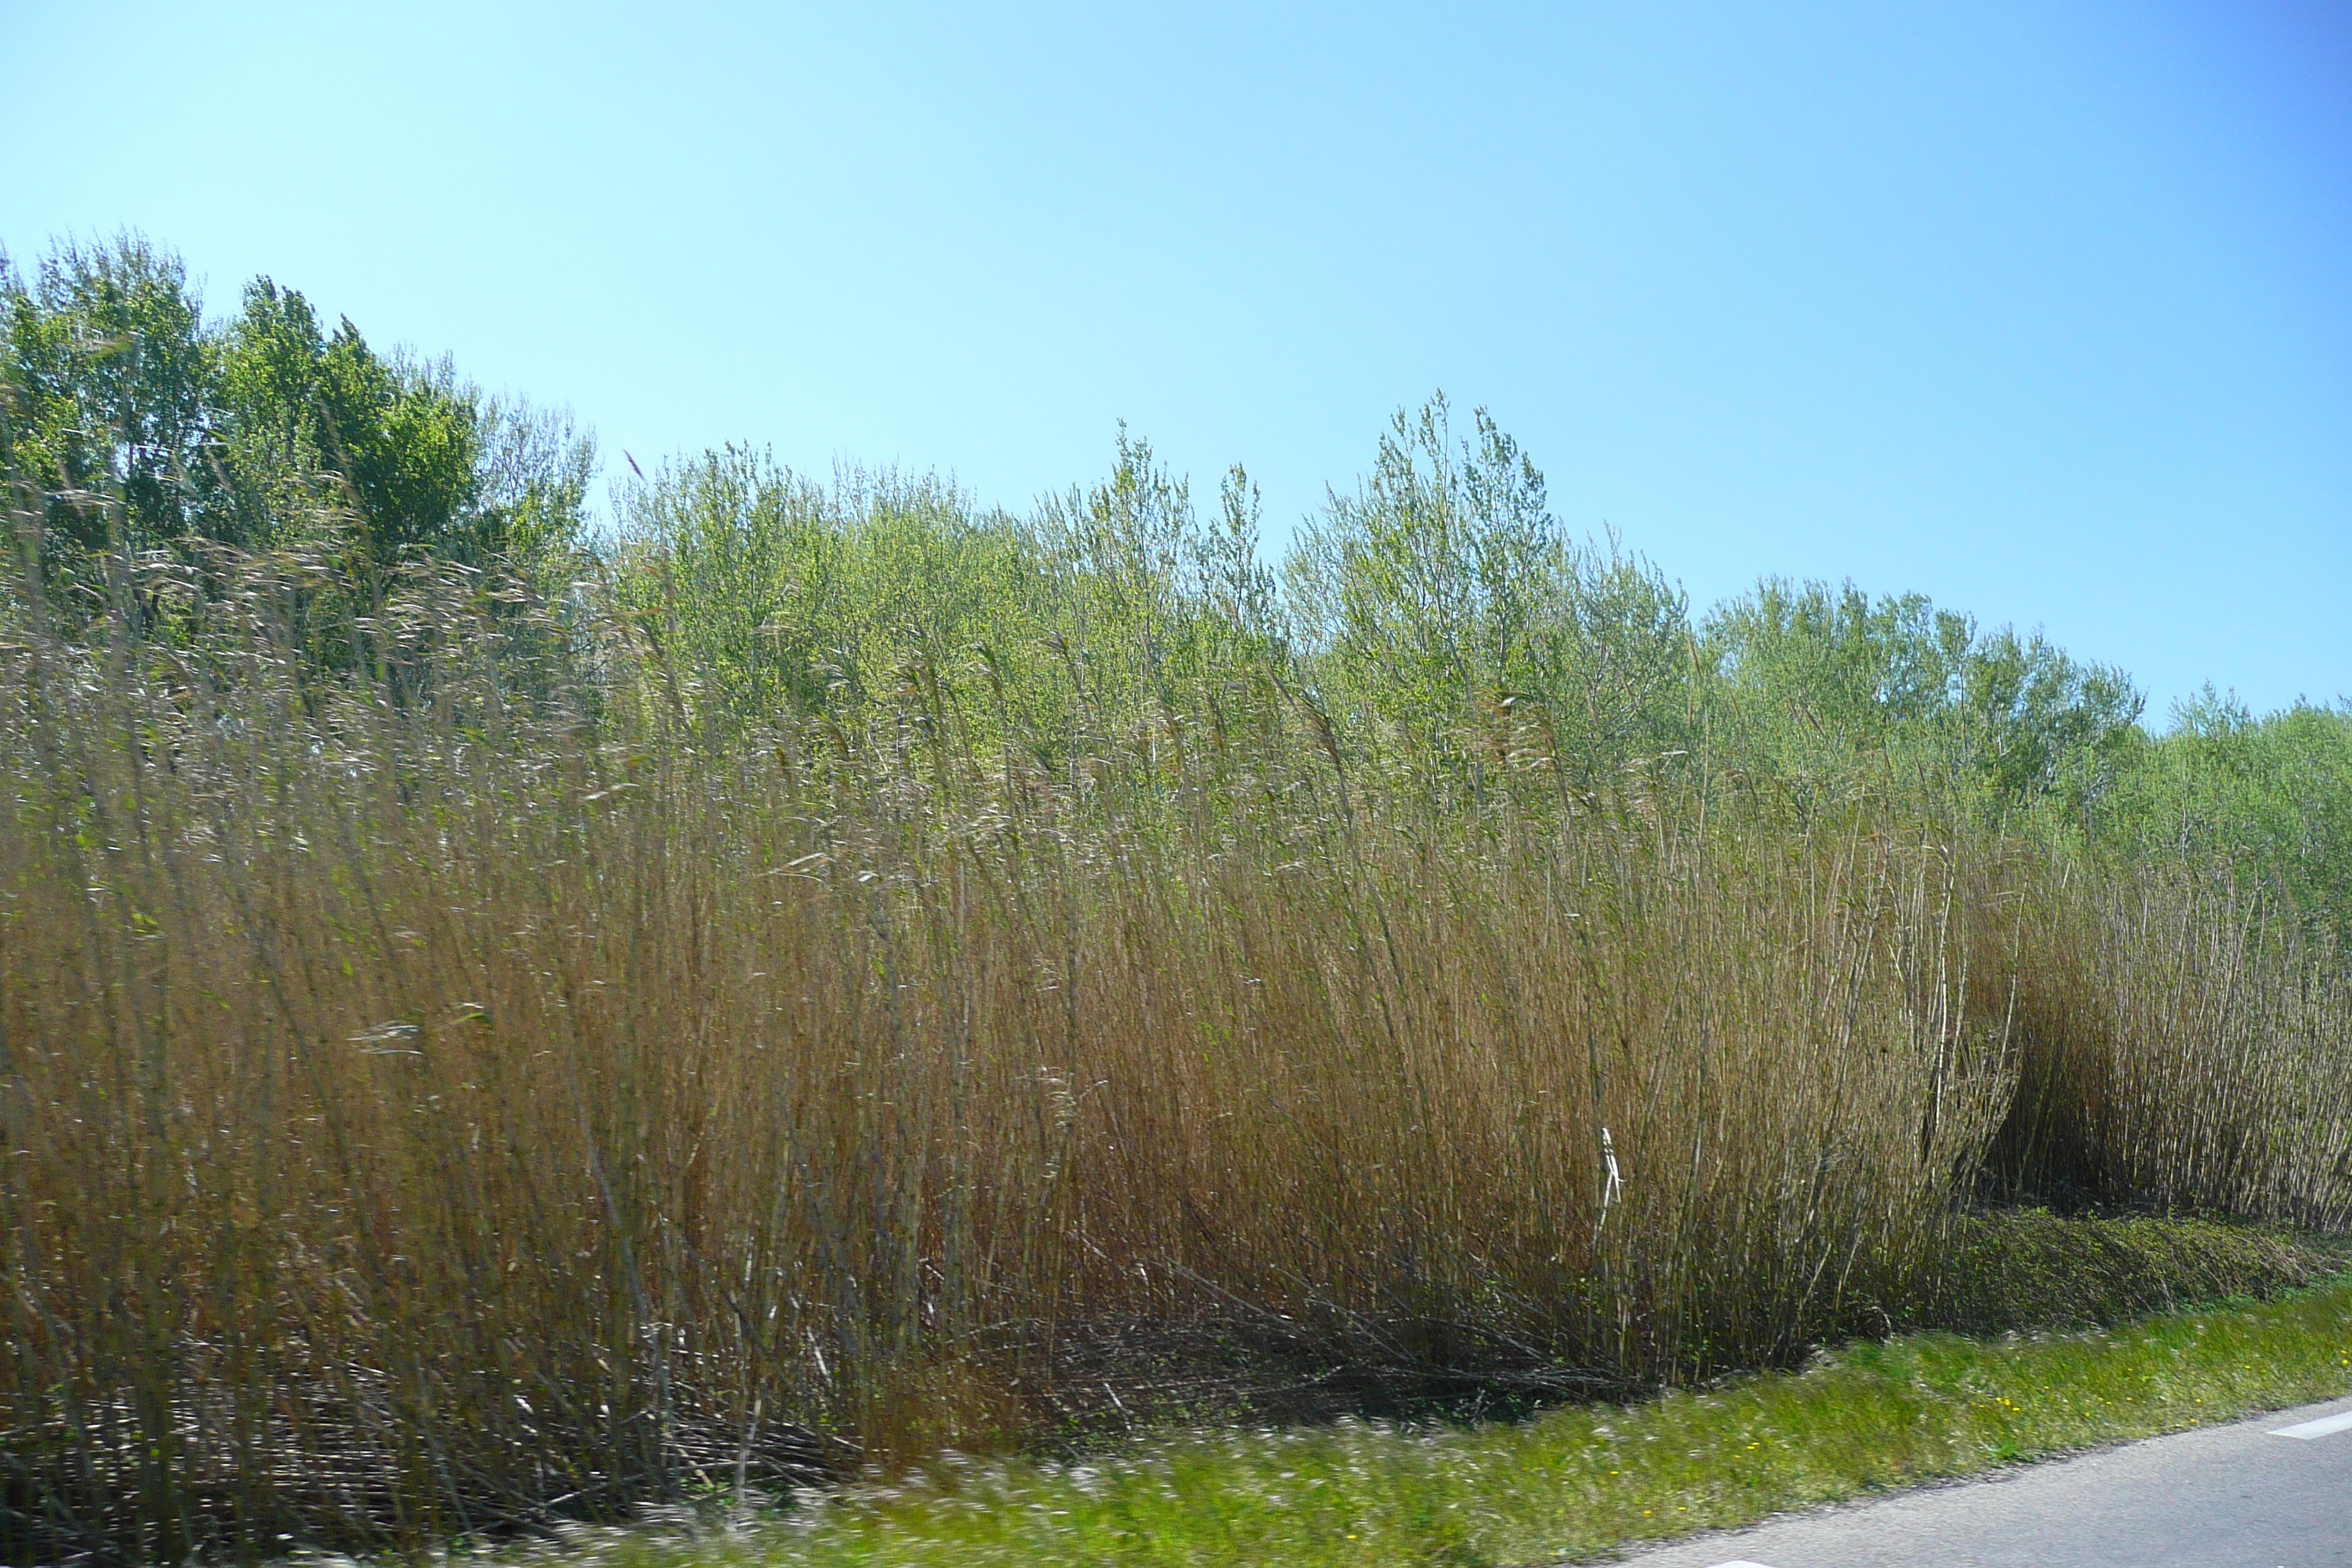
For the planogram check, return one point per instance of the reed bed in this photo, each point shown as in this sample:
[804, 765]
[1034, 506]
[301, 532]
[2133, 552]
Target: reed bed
[2182, 1048]
[450, 1079]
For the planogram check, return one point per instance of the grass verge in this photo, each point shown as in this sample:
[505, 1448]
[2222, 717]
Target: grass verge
[1577, 1483]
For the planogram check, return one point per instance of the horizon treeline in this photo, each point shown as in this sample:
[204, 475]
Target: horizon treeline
[1455, 637]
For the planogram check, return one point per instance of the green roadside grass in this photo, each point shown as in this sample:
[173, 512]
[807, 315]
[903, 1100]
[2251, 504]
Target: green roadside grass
[1575, 1484]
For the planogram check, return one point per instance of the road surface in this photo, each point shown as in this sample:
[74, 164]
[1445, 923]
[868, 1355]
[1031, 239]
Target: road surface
[2273, 1492]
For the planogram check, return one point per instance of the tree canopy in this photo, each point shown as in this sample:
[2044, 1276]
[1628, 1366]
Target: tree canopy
[143, 426]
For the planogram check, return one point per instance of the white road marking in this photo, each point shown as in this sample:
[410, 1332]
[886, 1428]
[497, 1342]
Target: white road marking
[1740, 1563]
[2326, 1425]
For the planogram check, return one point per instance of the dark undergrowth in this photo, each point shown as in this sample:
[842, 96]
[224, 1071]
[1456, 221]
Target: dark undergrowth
[2027, 1269]
[2001, 1271]
[1580, 1483]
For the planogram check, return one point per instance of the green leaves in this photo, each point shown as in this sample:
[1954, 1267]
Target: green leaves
[1835, 692]
[2272, 796]
[1424, 589]
[1443, 604]
[325, 436]
[104, 376]
[141, 428]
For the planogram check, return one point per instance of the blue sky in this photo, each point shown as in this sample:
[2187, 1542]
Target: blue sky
[2042, 309]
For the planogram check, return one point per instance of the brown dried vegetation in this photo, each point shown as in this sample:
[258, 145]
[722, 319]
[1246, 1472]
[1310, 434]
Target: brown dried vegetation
[476, 1086]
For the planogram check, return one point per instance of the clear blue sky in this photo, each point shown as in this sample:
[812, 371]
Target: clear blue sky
[2044, 310]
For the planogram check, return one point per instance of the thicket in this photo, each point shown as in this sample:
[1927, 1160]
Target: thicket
[500, 1022]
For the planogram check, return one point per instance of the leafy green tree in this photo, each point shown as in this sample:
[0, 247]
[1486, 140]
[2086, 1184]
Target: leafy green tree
[1238, 617]
[787, 598]
[1830, 692]
[2037, 724]
[320, 423]
[1616, 667]
[1442, 602]
[106, 380]
[534, 468]
[1421, 590]
[1122, 555]
[130, 424]
[2273, 796]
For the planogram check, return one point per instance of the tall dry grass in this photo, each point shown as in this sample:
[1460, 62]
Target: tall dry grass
[465, 1088]
[2182, 1046]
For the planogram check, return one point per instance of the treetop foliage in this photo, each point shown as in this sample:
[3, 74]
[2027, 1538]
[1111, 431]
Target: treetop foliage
[1434, 628]
[144, 427]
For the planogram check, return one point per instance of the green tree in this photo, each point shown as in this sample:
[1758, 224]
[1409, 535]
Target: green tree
[1442, 603]
[320, 427]
[106, 385]
[2273, 796]
[787, 598]
[1829, 691]
[127, 423]
[534, 467]
[1420, 590]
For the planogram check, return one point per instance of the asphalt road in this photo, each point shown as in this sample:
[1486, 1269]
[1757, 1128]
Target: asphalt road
[2220, 1498]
